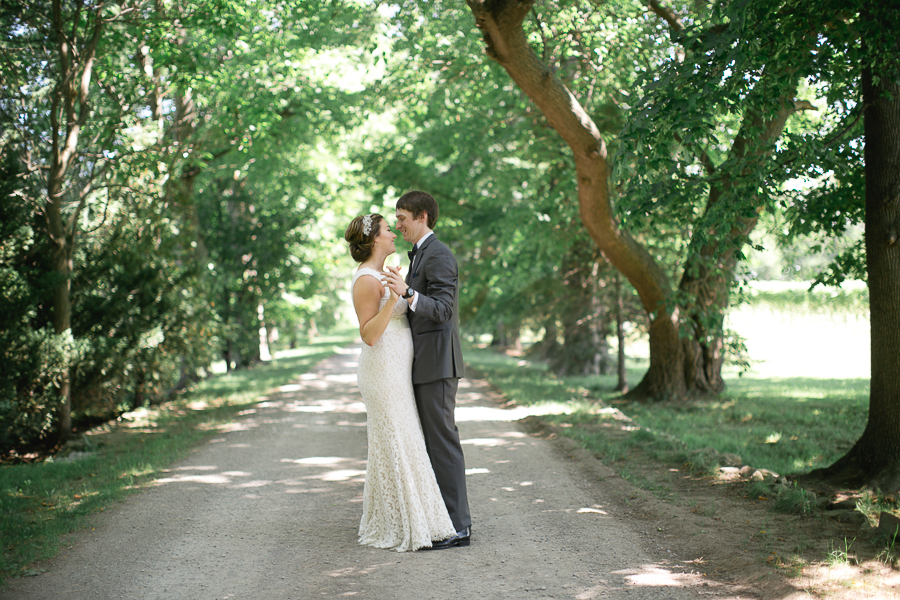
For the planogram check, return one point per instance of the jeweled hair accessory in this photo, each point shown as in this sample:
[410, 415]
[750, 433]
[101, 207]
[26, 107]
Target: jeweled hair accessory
[367, 224]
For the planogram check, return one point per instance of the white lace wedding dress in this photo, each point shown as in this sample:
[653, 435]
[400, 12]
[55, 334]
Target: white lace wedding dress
[402, 504]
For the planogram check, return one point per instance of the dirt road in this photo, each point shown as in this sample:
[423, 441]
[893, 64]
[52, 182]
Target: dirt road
[269, 510]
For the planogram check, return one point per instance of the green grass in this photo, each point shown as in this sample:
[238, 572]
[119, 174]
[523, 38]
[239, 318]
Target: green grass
[41, 502]
[798, 298]
[785, 425]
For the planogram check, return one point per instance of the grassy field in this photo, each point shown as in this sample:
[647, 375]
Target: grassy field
[40, 502]
[801, 405]
[786, 425]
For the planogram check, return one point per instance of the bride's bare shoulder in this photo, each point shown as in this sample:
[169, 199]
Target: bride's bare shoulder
[368, 284]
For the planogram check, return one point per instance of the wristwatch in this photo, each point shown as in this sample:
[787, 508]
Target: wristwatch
[409, 293]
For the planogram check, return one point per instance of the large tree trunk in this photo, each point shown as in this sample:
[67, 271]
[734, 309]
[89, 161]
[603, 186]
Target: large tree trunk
[584, 319]
[61, 265]
[68, 114]
[874, 460]
[181, 188]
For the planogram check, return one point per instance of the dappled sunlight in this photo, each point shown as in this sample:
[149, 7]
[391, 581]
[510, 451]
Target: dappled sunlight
[593, 509]
[354, 571]
[319, 490]
[253, 484]
[487, 442]
[346, 473]
[596, 591]
[221, 479]
[317, 461]
[520, 484]
[487, 413]
[477, 471]
[244, 425]
[329, 405]
[341, 475]
[654, 576]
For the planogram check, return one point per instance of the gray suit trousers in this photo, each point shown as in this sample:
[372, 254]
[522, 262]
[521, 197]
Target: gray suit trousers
[436, 402]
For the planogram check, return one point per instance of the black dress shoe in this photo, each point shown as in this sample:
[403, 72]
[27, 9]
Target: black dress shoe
[462, 538]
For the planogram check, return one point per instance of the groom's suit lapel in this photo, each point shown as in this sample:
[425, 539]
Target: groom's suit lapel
[421, 253]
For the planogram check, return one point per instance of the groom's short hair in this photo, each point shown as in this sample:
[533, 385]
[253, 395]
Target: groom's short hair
[417, 203]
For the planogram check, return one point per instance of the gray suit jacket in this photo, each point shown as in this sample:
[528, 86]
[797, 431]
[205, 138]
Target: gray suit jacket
[435, 323]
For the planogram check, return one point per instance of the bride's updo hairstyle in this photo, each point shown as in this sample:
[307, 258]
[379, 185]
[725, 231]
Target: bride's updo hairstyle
[361, 234]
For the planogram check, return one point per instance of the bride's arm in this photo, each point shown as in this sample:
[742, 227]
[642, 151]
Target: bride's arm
[367, 295]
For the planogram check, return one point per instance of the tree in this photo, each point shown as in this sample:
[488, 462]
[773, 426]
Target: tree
[74, 32]
[124, 124]
[686, 344]
[874, 460]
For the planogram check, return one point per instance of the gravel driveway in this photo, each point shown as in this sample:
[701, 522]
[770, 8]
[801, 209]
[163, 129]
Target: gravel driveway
[269, 510]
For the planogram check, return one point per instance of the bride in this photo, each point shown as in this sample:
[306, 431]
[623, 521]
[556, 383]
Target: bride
[402, 504]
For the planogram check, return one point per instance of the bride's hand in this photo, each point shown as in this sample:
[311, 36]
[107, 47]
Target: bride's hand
[395, 282]
[394, 295]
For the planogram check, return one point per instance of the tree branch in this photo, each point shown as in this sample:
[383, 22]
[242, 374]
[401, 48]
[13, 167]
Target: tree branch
[666, 14]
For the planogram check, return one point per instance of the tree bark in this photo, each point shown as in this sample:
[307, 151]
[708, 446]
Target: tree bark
[874, 460]
[69, 113]
[621, 371]
[584, 318]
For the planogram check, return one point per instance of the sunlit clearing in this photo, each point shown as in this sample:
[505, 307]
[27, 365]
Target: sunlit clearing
[804, 345]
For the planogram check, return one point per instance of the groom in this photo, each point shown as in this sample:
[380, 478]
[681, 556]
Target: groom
[431, 288]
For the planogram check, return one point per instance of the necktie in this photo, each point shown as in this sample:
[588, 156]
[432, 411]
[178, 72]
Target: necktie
[412, 254]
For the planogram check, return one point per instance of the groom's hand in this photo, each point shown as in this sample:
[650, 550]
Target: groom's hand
[394, 280]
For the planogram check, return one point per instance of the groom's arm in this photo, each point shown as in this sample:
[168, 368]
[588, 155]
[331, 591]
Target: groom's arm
[442, 275]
